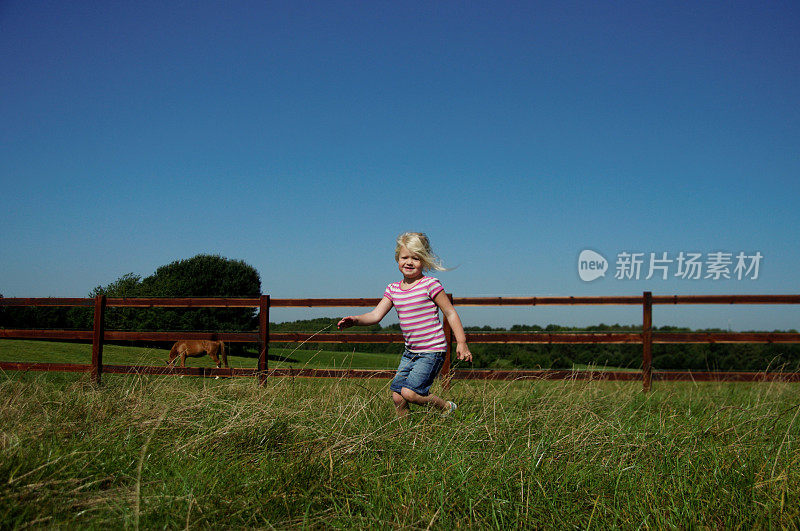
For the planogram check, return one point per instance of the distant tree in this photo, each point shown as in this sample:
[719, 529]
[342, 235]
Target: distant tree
[41, 317]
[128, 285]
[200, 276]
[205, 276]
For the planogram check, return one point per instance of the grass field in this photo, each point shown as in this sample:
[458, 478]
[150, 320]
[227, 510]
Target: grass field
[146, 452]
[57, 352]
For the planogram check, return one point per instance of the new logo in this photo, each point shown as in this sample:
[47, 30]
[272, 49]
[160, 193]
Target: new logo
[591, 265]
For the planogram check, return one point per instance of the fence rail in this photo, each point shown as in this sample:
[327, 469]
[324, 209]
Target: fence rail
[647, 337]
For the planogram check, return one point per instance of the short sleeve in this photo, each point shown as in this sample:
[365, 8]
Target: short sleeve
[434, 288]
[388, 292]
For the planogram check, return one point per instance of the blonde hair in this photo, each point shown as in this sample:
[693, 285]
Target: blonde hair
[417, 243]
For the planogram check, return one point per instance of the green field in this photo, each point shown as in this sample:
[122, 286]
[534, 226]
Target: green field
[55, 352]
[155, 452]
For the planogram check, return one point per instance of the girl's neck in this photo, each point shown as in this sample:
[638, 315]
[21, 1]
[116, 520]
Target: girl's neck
[409, 283]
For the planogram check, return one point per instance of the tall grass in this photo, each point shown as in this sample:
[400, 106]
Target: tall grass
[145, 452]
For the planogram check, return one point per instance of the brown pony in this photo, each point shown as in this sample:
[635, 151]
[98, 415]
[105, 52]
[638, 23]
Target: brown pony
[197, 347]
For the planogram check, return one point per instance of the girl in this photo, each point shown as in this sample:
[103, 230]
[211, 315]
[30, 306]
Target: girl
[417, 299]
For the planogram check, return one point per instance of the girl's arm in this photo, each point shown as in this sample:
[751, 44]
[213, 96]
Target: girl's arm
[462, 349]
[368, 318]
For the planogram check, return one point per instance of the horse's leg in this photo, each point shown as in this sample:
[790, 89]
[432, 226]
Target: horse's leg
[214, 357]
[173, 353]
[211, 350]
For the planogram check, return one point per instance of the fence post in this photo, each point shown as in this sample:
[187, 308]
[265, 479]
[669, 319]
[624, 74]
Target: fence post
[97, 338]
[647, 340]
[448, 336]
[263, 336]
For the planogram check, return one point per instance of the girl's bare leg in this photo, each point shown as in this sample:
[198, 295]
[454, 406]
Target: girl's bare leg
[431, 400]
[400, 404]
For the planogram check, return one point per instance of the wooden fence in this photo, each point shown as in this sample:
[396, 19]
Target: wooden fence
[647, 337]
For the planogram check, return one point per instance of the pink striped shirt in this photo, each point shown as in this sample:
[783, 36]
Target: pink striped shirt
[418, 314]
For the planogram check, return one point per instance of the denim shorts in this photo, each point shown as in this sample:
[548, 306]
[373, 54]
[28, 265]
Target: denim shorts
[417, 371]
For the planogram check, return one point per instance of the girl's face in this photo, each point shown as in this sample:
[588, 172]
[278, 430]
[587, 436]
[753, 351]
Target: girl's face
[410, 265]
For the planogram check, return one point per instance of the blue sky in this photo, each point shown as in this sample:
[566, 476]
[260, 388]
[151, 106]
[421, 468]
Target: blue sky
[302, 137]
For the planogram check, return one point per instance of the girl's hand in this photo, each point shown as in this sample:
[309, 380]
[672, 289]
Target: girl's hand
[346, 322]
[463, 353]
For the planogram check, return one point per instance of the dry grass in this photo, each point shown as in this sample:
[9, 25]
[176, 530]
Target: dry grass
[171, 452]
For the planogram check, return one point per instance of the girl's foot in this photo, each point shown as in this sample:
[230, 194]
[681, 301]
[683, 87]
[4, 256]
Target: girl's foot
[451, 406]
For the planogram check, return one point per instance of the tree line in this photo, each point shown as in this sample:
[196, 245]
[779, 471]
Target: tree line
[215, 276]
[200, 276]
[696, 357]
